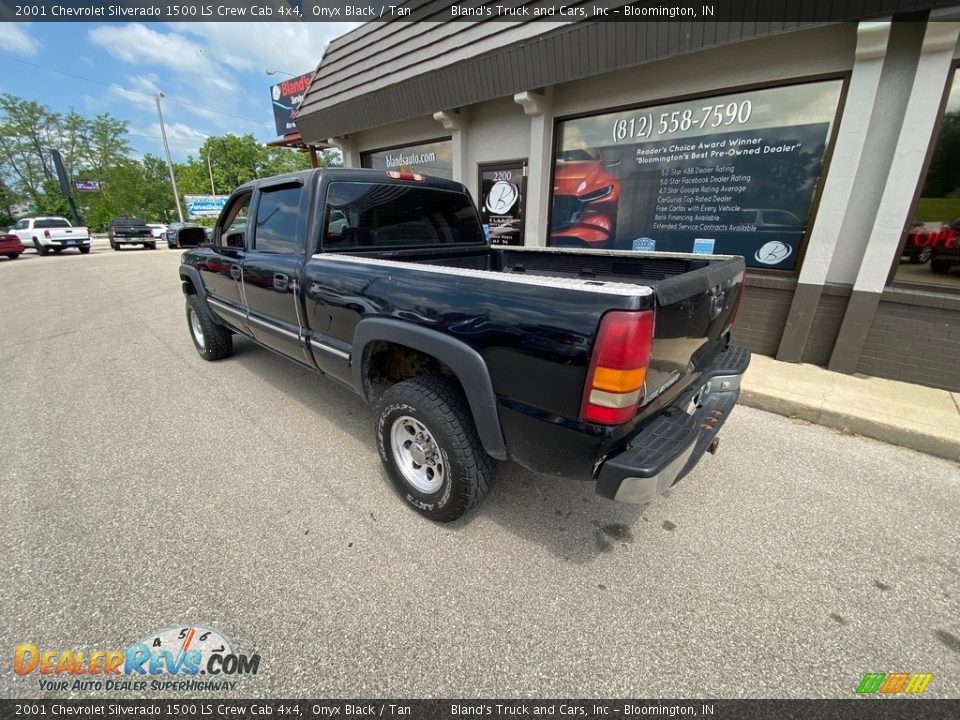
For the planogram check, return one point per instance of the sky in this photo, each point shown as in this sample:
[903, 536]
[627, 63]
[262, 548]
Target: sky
[212, 74]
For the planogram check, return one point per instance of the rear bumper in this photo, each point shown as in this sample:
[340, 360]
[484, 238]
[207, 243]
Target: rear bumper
[134, 241]
[72, 242]
[669, 446]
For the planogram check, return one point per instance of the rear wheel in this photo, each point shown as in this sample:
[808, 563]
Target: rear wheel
[13, 256]
[113, 245]
[151, 246]
[85, 249]
[212, 341]
[41, 249]
[429, 446]
[57, 251]
[940, 266]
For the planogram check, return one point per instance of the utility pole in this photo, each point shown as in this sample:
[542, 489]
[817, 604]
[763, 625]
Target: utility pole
[210, 170]
[166, 148]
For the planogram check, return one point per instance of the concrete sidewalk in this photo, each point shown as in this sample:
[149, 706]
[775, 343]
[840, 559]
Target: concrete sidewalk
[912, 416]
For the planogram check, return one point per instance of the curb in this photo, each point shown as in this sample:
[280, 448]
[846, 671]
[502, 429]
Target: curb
[940, 446]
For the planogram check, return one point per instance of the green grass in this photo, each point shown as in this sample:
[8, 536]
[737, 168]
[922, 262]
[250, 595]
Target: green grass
[937, 209]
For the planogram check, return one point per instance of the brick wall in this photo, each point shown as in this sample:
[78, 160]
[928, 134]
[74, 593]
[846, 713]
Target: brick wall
[915, 337]
[826, 325]
[763, 314]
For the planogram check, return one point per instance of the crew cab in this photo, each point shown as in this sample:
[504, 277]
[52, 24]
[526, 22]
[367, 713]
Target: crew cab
[608, 366]
[130, 231]
[52, 233]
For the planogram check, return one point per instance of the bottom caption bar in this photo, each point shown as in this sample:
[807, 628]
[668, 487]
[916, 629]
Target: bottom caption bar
[215, 709]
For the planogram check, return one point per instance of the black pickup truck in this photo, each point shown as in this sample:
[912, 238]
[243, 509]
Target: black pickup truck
[607, 366]
[130, 231]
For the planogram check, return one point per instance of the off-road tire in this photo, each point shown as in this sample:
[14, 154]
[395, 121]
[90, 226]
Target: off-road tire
[438, 403]
[217, 340]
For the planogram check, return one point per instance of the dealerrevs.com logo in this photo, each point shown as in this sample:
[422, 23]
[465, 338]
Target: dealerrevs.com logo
[182, 658]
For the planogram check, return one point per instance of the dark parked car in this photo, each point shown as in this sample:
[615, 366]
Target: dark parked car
[602, 366]
[10, 245]
[181, 235]
[130, 231]
[945, 254]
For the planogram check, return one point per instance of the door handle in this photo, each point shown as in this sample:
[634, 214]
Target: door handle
[280, 282]
[235, 272]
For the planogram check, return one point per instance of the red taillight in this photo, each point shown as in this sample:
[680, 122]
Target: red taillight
[618, 368]
[393, 174]
[113, 230]
[46, 233]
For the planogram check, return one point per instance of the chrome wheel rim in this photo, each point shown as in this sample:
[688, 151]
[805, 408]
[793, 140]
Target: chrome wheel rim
[195, 328]
[417, 455]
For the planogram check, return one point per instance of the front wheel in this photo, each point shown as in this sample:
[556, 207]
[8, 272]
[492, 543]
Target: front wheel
[211, 340]
[429, 446]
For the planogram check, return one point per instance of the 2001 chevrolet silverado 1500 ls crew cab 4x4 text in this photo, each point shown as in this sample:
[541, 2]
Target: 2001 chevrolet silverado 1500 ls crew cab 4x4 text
[607, 366]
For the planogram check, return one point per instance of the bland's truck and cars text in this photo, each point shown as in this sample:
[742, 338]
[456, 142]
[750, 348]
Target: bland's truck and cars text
[607, 366]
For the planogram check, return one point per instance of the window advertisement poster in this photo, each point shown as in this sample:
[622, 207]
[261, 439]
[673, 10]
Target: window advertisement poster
[502, 189]
[430, 158]
[733, 174]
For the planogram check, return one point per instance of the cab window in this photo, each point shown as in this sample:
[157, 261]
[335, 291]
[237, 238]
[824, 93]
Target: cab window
[233, 226]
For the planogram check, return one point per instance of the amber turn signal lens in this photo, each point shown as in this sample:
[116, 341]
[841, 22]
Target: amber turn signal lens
[619, 381]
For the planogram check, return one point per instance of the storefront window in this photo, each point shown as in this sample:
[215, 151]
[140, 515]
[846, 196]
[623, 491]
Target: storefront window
[733, 174]
[931, 249]
[431, 158]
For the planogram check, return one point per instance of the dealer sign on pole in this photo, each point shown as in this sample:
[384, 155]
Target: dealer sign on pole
[287, 96]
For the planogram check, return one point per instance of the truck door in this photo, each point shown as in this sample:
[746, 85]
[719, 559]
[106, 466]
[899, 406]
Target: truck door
[222, 267]
[271, 268]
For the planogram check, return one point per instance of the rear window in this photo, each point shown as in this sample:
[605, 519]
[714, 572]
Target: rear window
[373, 215]
[128, 221]
[51, 223]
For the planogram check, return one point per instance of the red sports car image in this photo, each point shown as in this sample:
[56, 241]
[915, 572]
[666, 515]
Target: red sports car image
[585, 198]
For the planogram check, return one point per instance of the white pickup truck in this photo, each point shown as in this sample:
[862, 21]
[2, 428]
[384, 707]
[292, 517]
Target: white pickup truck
[51, 233]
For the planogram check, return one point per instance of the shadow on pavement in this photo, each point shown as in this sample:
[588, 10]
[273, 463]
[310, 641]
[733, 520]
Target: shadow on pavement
[565, 517]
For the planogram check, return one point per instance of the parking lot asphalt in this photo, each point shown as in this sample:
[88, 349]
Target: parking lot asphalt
[144, 488]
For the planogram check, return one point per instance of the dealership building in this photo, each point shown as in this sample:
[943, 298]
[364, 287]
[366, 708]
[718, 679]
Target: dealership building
[803, 146]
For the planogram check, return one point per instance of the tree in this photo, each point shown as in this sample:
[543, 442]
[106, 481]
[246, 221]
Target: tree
[943, 177]
[27, 132]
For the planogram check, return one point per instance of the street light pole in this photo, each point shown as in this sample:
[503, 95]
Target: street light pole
[166, 148]
[272, 71]
[210, 170]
